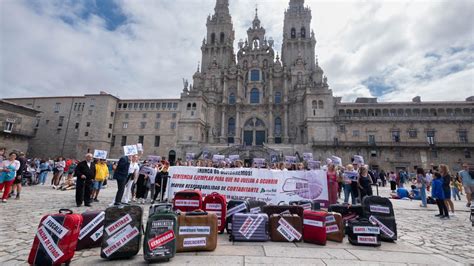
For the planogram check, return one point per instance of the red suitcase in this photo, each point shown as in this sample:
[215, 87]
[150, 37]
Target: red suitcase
[92, 229]
[314, 227]
[56, 239]
[216, 203]
[188, 200]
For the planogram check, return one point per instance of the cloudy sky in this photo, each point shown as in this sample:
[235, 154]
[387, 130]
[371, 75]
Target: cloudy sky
[393, 50]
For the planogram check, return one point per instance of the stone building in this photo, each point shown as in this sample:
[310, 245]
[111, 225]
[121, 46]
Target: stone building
[16, 126]
[255, 103]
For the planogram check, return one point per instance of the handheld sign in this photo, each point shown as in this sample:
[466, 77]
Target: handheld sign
[336, 160]
[139, 147]
[307, 156]
[290, 159]
[218, 158]
[153, 159]
[130, 150]
[190, 156]
[100, 154]
[314, 165]
[358, 159]
[234, 157]
[259, 162]
[205, 155]
[146, 170]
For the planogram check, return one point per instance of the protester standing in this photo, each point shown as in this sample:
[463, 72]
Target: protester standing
[7, 175]
[19, 175]
[332, 183]
[133, 170]
[421, 183]
[142, 181]
[349, 176]
[161, 179]
[467, 179]
[437, 192]
[101, 174]
[85, 173]
[121, 175]
[364, 182]
[393, 181]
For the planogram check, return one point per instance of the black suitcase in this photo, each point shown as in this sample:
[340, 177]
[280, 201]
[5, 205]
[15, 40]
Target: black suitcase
[233, 207]
[249, 227]
[156, 207]
[348, 212]
[256, 206]
[380, 211]
[307, 204]
[122, 232]
[92, 230]
[362, 232]
[159, 241]
[278, 209]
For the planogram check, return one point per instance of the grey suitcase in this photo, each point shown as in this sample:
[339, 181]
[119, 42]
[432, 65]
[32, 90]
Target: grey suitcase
[256, 206]
[252, 227]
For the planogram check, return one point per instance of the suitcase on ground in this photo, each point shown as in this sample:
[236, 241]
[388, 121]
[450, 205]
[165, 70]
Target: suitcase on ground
[314, 227]
[256, 206]
[155, 207]
[277, 209]
[307, 204]
[249, 227]
[197, 231]
[91, 230]
[159, 241]
[362, 232]
[122, 232]
[334, 227]
[216, 203]
[286, 227]
[380, 211]
[233, 207]
[348, 212]
[56, 239]
[188, 200]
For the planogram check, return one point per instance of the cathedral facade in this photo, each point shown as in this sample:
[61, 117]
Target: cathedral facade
[257, 102]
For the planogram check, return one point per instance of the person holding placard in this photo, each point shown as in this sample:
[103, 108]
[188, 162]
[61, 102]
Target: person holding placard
[121, 175]
[133, 170]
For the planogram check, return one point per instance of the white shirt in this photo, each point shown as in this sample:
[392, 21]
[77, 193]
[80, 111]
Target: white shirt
[7, 163]
[133, 167]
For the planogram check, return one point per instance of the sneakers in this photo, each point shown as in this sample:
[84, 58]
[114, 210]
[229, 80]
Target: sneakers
[468, 204]
[17, 196]
[4, 201]
[439, 215]
[96, 200]
[445, 217]
[452, 214]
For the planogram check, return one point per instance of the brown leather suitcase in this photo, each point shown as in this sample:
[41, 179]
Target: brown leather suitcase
[334, 227]
[290, 229]
[277, 209]
[197, 231]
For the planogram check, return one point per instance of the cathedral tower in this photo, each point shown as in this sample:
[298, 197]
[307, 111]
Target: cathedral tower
[219, 41]
[298, 39]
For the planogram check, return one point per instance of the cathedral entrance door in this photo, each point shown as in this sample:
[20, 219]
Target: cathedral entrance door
[248, 137]
[259, 137]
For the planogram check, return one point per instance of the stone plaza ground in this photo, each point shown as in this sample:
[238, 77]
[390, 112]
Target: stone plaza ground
[423, 239]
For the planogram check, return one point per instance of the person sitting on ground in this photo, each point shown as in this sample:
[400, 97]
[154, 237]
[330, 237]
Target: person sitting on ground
[414, 193]
[69, 184]
[402, 193]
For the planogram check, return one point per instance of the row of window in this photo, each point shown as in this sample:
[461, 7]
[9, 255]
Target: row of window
[143, 125]
[148, 106]
[255, 97]
[412, 134]
[77, 106]
[250, 123]
[145, 115]
[221, 38]
[141, 139]
[406, 112]
[302, 33]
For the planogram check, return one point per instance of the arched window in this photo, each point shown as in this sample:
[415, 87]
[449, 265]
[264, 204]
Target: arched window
[232, 98]
[194, 106]
[314, 104]
[320, 104]
[213, 38]
[300, 77]
[303, 32]
[254, 75]
[231, 126]
[277, 126]
[254, 96]
[277, 97]
[293, 33]
[188, 107]
[222, 38]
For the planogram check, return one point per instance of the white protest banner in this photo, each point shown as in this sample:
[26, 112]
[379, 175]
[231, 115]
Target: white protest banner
[307, 156]
[140, 147]
[271, 186]
[130, 150]
[100, 154]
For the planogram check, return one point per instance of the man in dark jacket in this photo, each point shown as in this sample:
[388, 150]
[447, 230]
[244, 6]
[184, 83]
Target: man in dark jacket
[85, 173]
[121, 175]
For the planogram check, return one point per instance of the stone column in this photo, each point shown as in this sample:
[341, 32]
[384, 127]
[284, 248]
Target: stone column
[285, 109]
[223, 123]
[238, 128]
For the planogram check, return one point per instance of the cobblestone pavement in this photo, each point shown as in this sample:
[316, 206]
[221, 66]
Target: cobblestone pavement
[423, 239]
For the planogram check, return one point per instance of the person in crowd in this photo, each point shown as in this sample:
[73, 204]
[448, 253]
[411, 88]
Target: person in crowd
[44, 170]
[350, 176]
[121, 175]
[161, 179]
[85, 173]
[19, 175]
[332, 183]
[393, 181]
[8, 173]
[467, 178]
[71, 169]
[456, 187]
[401, 193]
[403, 178]
[437, 192]
[142, 181]
[3, 150]
[444, 171]
[355, 183]
[133, 170]
[150, 183]
[421, 183]
[383, 177]
[58, 171]
[101, 174]
[429, 178]
[364, 182]
[414, 193]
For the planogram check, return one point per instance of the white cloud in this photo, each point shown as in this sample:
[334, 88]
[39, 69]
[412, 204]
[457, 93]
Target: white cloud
[160, 43]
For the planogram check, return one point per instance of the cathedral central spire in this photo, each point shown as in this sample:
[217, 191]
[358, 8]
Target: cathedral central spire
[222, 7]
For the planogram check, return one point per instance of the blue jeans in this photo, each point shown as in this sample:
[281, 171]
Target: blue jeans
[347, 191]
[42, 177]
[423, 195]
[455, 192]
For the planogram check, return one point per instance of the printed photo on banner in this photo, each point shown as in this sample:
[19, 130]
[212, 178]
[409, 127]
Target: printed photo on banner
[153, 159]
[130, 150]
[100, 154]
[259, 162]
[140, 147]
[307, 156]
[190, 156]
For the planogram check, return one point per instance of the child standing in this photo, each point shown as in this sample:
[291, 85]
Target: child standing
[455, 185]
[437, 193]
